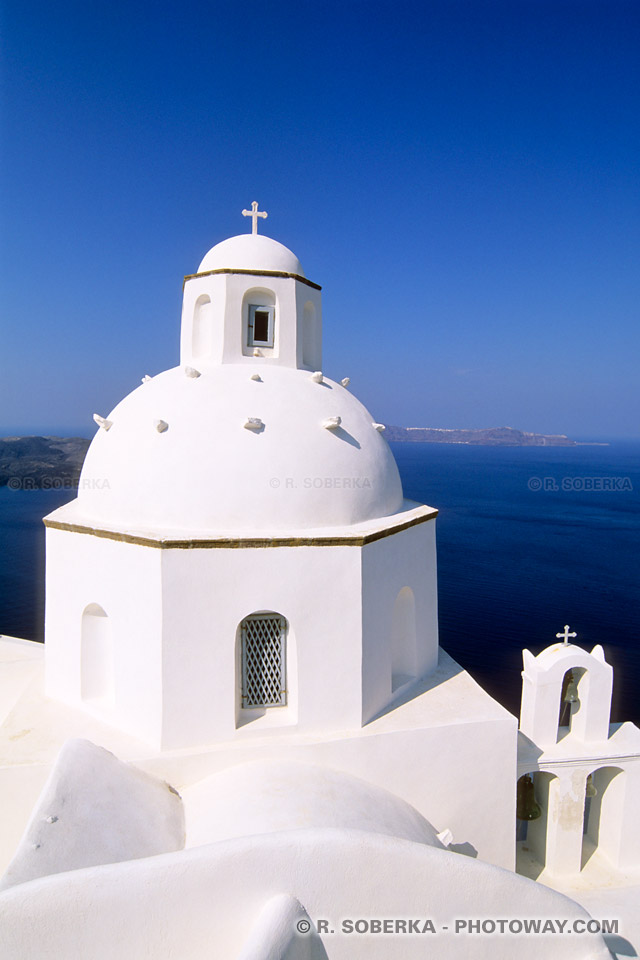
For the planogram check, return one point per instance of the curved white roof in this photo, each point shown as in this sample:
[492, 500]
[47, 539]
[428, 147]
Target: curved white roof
[207, 472]
[251, 251]
[266, 796]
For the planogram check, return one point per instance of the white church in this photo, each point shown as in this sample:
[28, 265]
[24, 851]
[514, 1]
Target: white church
[241, 738]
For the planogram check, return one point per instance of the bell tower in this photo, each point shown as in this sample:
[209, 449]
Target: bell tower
[566, 675]
[577, 773]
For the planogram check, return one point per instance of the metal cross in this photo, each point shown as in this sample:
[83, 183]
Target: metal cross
[565, 636]
[254, 213]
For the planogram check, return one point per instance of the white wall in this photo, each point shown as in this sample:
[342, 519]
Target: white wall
[342, 644]
[173, 618]
[408, 559]
[206, 595]
[20, 787]
[125, 581]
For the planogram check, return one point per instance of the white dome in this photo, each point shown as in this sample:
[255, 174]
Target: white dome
[251, 251]
[267, 796]
[206, 472]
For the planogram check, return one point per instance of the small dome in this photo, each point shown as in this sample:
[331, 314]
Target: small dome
[185, 453]
[267, 796]
[251, 251]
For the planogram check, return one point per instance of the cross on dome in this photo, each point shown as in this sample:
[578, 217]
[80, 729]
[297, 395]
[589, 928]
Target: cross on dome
[254, 213]
[565, 635]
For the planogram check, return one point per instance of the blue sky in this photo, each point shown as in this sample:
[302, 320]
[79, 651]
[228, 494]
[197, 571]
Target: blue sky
[461, 178]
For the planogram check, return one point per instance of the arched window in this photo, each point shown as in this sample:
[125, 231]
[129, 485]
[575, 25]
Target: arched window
[96, 655]
[263, 661]
[403, 639]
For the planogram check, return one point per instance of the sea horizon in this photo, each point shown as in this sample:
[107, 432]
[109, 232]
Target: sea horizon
[89, 429]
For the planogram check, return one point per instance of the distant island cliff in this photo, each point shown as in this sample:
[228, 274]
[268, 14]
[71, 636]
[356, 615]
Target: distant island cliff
[40, 463]
[491, 437]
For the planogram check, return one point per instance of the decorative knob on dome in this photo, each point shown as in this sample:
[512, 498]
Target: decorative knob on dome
[102, 421]
[332, 423]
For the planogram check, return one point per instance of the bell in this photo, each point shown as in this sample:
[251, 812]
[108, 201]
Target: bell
[526, 806]
[591, 790]
[570, 694]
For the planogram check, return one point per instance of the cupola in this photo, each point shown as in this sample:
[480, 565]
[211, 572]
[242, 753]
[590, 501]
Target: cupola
[251, 303]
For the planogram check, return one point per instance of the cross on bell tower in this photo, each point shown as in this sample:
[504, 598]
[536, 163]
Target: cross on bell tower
[565, 635]
[254, 213]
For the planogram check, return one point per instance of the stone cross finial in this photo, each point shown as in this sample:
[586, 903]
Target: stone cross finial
[254, 213]
[565, 636]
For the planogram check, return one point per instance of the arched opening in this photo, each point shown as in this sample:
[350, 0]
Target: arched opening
[309, 335]
[96, 655]
[202, 342]
[532, 813]
[403, 639]
[262, 662]
[569, 700]
[603, 814]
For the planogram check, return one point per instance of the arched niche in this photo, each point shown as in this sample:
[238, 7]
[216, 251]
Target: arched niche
[96, 655]
[202, 335]
[403, 639]
[259, 322]
[309, 335]
[533, 848]
[574, 683]
[604, 814]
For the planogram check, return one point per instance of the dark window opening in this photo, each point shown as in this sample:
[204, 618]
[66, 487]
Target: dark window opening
[261, 326]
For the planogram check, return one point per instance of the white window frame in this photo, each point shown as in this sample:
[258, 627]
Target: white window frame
[271, 311]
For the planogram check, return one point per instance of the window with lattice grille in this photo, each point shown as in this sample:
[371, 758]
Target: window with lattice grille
[263, 661]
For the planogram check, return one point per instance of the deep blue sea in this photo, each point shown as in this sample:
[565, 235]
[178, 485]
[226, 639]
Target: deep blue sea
[515, 563]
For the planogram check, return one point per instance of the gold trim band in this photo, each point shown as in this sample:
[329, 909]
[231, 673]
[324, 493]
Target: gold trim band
[235, 543]
[254, 273]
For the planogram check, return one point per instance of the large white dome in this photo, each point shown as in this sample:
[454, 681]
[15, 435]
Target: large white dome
[267, 796]
[206, 472]
[251, 251]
